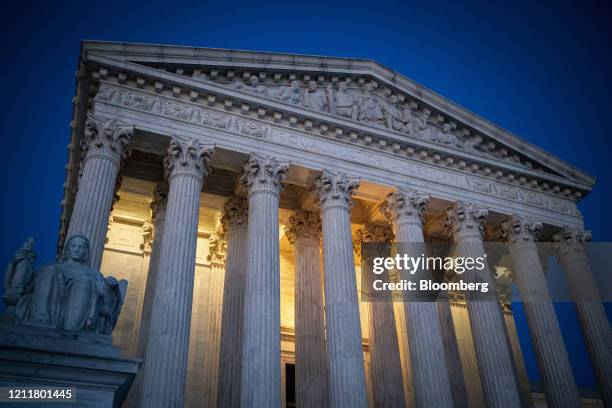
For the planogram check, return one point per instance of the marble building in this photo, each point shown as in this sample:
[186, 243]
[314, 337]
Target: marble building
[231, 189]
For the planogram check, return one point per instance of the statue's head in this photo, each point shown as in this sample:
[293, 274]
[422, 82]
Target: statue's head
[342, 86]
[312, 85]
[295, 85]
[76, 249]
[253, 80]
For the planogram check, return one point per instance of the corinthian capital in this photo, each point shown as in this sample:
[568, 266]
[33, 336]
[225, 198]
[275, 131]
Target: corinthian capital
[463, 219]
[216, 249]
[160, 200]
[107, 138]
[263, 173]
[571, 240]
[519, 229]
[303, 224]
[188, 157]
[235, 212]
[335, 189]
[405, 206]
[372, 233]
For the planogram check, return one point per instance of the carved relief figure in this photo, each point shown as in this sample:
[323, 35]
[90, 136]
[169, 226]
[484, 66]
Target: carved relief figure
[252, 86]
[395, 114]
[314, 98]
[343, 103]
[370, 108]
[68, 294]
[290, 93]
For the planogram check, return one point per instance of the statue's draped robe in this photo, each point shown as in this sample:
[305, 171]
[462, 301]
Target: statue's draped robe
[71, 297]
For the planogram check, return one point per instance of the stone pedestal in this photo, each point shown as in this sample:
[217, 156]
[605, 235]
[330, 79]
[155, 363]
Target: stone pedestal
[261, 376]
[31, 357]
[346, 369]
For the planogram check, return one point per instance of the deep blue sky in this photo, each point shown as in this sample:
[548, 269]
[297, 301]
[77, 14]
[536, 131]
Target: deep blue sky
[539, 70]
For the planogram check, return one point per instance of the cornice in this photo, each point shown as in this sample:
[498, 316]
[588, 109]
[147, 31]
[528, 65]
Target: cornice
[266, 61]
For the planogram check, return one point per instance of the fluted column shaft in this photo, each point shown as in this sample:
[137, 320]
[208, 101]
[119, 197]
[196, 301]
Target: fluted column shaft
[346, 367]
[261, 377]
[158, 212]
[500, 389]
[304, 231]
[234, 222]
[165, 364]
[589, 307]
[551, 354]
[105, 145]
[432, 386]
[385, 360]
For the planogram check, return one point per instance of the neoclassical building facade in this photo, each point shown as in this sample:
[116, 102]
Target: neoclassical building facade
[232, 190]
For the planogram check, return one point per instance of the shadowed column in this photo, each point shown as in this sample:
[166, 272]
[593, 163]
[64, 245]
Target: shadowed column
[589, 307]
[104, 148]
[165, 364]
[553, 361]
[432, 386]
[466, 224]
[385, 361]
[234, 221]
[304, 232]
[261, 379]
[346, 368]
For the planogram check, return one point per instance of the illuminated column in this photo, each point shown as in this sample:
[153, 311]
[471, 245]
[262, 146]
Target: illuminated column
[555, 367]
[158, 216]
[165, 363]
[105, 146]
[466, 224]
[234, 221]
[261, 377]
[385, 361]
[432, 386]
[589, 308]
[346, 367]
[212, 326]
[304, 232]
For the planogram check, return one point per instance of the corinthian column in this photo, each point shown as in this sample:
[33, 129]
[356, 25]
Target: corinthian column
[432, 386]
[466, 224]
[571, 247]
[304, 232]
[261, 380]
[165, 364]
[104, 147]
[546, 337]
[234, 221]
[212, 326]
[158, 216]
[346, 372]
[385, 360]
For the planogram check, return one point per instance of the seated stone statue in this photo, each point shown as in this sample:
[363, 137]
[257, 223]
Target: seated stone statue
[68, 295]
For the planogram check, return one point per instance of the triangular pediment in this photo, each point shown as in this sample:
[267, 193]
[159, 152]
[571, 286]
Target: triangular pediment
[353, 98]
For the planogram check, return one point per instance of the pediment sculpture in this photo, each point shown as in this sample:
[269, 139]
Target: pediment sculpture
[67, 295]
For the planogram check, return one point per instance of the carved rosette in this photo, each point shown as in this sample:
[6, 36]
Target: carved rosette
[372, 233]
[405, 206]
[217, 250]
[303, 224]
[106, 138]
[187, 157]
[517, 230]
[572, 240]
[235, 212]
[465, 220]
[335, 190]
[263, 173]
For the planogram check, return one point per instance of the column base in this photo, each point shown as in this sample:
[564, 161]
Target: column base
[31, 357]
